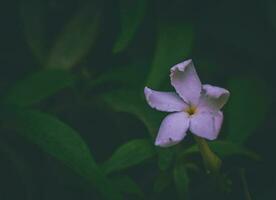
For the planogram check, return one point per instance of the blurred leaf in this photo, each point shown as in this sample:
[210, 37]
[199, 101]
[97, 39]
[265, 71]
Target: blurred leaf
[129, 154]
[131, 15]
[38, 86]
[127, 186]
[127, 101]
[130, 76]
[224, 149]
[247, 108]
[165, 157]
[77, 38]
[33, 14]
[131, 102]
[162, 182]
[174, 43]
[181, 181]
[22, 168]
[62, 142]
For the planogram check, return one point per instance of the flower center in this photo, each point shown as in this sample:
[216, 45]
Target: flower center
[191, 110]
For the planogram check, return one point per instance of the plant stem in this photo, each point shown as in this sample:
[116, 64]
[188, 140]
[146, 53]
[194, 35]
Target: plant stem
[245, 186]
[211, 161]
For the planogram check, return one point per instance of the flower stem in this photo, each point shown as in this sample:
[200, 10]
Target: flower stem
[245, 186]
[211, 161]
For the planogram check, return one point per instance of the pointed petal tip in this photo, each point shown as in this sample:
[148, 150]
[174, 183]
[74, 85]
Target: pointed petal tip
[147, 92]
[216, 91]
[186, 82]
[181, 66]
[166, 143]
[213, 97]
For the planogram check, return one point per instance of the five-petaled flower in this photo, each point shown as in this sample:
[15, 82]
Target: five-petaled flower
[194, 106]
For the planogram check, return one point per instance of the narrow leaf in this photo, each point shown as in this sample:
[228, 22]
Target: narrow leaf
[130, 75]
[77, 38]
[129, 154]
[181, 181]
[131, 102]
[62, 142]
[165, 157]
[131, 16]
[174, 43]
[33, 16]
[127, 186]
[22, 167]
[38, 86]
[162, 181]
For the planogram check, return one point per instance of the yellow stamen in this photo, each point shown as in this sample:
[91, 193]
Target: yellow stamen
[191, 110]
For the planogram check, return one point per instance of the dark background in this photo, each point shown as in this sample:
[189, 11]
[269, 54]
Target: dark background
[73, 68]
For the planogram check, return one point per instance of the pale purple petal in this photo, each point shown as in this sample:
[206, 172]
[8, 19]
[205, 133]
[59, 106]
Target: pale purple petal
[173, 129]
[207, 124]
[212, 98]
[218, 121]
[164, 101]
[186, 82]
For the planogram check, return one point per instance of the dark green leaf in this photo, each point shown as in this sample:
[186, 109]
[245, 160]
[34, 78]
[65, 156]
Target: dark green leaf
[181, 181]
[224, 149]
[127, 186]
[22, 168]
[174, 43]
[165, 157]
[247, 108]
[131, 16]
[131, 102]
[38, 86]
[130, 76]
[77, 38]
[126, 101]
[162, 182]
[62, 142]
[32, 15]
[129, 154]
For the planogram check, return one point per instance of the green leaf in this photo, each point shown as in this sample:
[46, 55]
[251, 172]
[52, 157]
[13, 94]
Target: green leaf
[247, 108]
[130, 75]
[38, 86]
[127, 186]
[77, 38]
[162, 181]
[62, 142]
[224, 149]
[131, 102]
[165, 157]
[131, 15]
[181, 181]
[174, 43]
[129, 154]
[33, 15]
[22, 167]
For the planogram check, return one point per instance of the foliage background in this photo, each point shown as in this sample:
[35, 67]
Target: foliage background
[74, 122]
